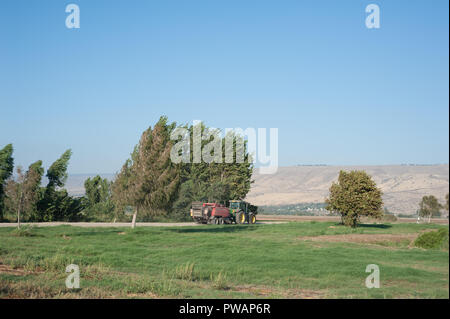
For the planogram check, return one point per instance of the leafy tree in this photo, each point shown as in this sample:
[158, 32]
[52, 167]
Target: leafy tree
[57, 173]
[23, 193]
[97, 201]
[122, 192]
[6, 170]
[355, 195]
[429, 207]
[56, 204]
[181, 183]
[149, 181]
[215, 182]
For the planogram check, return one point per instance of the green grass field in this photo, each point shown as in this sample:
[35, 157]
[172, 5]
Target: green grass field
[292, 260]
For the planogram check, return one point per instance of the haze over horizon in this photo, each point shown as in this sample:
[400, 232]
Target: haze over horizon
[403, 185]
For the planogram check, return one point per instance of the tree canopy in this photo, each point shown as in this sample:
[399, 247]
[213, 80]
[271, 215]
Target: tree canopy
[429, 207]
[355, 195]
[6, 170]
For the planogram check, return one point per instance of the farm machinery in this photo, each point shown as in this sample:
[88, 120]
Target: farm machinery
[238, 212]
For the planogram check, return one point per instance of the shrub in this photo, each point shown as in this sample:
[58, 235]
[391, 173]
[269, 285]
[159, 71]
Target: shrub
[389, 218]
[24, 231]
[432, 240]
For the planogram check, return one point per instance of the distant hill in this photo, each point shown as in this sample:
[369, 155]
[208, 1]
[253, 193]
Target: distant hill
[403, 185]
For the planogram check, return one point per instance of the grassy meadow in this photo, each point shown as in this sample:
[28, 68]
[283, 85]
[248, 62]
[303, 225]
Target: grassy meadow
[291, 260]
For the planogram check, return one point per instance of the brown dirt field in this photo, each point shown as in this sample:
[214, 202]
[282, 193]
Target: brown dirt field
[285, 293]
[337, 219]
[361, 238]
[5, 269]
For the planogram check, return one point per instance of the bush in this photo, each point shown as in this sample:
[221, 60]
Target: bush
[389, 218]
[432, 240]
[24, 231]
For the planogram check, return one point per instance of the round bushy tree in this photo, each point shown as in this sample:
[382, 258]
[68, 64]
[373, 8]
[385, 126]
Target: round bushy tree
[355, 195]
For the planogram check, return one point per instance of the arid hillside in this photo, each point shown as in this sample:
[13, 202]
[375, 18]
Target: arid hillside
[403, 185]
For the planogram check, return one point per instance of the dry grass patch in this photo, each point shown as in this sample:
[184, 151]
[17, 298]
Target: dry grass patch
[361, 238]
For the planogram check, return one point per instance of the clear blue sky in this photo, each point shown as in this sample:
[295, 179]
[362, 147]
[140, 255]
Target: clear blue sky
[338, 92]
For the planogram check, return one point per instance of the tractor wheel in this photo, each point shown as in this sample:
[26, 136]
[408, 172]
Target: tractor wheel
[252, 219]
[240, 217]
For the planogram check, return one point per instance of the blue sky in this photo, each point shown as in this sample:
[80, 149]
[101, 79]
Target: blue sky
[339, 93]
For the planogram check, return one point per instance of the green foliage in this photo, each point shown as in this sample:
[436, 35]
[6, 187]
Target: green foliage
[355, 195]
[432, 240]
[388, 216]
[300, 209]
[97, 202]
[149, 181]
[216, 181]
[6, 169]
[24, 231]
[57, 173]
[55, 203]
[429, 207]
[152, 183]
[23, 193]
[446, 203]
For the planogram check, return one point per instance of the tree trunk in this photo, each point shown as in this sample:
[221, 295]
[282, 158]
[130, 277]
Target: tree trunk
[18, 210]
[133, 222]
[18, 217]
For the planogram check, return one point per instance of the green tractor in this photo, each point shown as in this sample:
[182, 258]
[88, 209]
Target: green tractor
[243, 212]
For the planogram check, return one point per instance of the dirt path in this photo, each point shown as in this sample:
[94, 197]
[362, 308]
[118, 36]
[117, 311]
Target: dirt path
[86, 224]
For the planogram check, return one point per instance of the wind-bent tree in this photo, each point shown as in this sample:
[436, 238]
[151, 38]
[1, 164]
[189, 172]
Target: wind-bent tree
[149, 181]
[355, 195]
[56, 204]
[154, 184]
[6, 170]
[429, 207]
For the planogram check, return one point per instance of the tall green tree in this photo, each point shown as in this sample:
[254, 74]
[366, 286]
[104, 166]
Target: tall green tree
[429, 207]
[149, 181]
[355, 195]
[57, 172]
[56, 204]
[216, 181]
[23, 192]
[6, 170]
